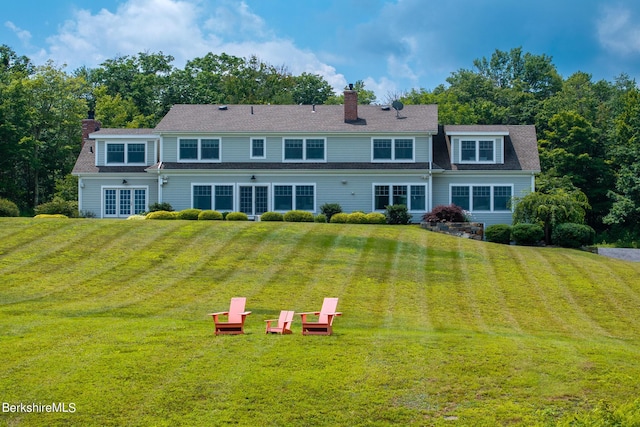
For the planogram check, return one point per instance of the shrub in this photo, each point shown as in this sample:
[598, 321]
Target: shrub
[376, 218]
[339, 218]
[271, 216]
[570, 235]
[527, 234]
[330, 209]
[190, 214]
[498, 233]
[40, 216]
[163, 215]
[8, 208]
[445, 213]
[321, 218]
[356, 218]
[298, 216]
[59, 206]
[398, 214]
[136, 217]
[209, 215]
[237, 216]
[154, 207]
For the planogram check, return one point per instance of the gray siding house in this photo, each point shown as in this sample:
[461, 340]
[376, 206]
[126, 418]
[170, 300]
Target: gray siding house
[263, 158]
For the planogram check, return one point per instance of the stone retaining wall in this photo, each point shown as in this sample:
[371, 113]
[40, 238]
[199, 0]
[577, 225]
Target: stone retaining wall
[469, 230]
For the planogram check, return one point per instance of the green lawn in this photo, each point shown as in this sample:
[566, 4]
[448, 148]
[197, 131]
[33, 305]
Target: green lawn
[110, 316]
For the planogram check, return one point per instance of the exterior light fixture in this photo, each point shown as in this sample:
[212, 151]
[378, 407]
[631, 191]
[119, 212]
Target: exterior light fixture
[253, 178]
[124, 181]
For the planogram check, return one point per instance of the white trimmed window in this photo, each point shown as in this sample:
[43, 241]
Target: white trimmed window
[294, 197]
[478, 150]
[304, 149]
[486, 198]
[199, 149]
[126, 153]
[392, 149]
[414, 197]
[258, 148]
[208, 196]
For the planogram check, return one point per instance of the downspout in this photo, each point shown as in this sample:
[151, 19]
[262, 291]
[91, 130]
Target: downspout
[160, 183]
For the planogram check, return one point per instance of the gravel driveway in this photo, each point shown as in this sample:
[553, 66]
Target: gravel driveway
[625, 254]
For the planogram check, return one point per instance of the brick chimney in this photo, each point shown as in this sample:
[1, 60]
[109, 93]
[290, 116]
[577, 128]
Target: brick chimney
[89, 125]
[350, 105]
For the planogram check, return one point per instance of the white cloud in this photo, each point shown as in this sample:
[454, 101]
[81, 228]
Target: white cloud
[619, 31]
[23, 35]
[184, 29]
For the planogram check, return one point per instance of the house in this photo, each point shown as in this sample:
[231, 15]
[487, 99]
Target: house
[263, 158]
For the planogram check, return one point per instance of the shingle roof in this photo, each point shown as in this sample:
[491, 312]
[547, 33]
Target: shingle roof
[297, 118]
[421, 166]
[122, 131]
[86, 162]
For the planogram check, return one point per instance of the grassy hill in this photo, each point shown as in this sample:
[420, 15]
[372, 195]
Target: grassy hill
[110, 316]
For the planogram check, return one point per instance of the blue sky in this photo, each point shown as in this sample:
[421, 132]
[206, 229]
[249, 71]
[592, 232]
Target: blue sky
[392, 45]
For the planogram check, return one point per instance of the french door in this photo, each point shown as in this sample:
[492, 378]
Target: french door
[254, 199]
[123, 202]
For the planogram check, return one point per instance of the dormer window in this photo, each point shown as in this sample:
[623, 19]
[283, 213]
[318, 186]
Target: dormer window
[474, 151]
[126, 153]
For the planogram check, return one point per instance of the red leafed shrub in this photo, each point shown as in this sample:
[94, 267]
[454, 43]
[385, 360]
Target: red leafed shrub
[445, 213]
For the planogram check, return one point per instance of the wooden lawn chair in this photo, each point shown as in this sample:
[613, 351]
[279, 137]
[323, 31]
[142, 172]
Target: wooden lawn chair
[325, 318]
[284, 323]
[235, 318]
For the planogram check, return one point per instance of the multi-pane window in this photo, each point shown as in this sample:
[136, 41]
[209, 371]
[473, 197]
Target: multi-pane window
[224, 197]
[258, 148]
[193, 149]
[283, 197]
[218, 197]
[290, 197]
[202, 197]
[418, 197]
[493, 198]
[122, 153]
[481, 198]
[460, 197]
[477, 151]
[412, 196]
[210, 149]
[392, 149]
[293, 149]
[310, 149]
[115, 153]
[501, 198]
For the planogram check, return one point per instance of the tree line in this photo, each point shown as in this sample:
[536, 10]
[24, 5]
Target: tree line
[588, 131]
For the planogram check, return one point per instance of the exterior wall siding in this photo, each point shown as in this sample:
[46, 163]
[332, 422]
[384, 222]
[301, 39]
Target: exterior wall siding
[91, 197]
[442, 183]
[339, 148]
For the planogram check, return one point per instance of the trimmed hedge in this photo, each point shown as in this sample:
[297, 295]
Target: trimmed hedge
[330, 209]
[237, 216]
[339, 218]
[570, 235]
[357, 218]
[376, 218]
[136, 217]
[8, 208]
[498, 233]
[189, 214]
[321, 218]
[155, 207]
[271, 216]
[298, 216]
[41, 216]
[527, 234]
[209, 215]
[162, 215]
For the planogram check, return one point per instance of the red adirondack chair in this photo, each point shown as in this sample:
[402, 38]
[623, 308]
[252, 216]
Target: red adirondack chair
[284, 323]
[235, 318]
[325, 318]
